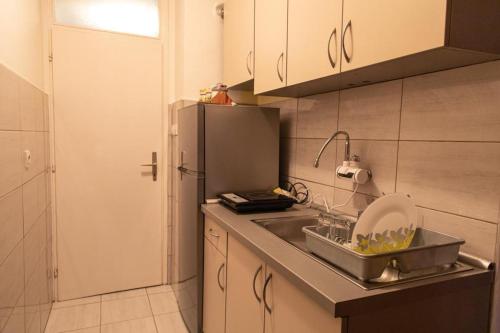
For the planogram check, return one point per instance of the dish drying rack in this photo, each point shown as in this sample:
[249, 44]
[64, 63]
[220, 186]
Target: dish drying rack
[330, 239]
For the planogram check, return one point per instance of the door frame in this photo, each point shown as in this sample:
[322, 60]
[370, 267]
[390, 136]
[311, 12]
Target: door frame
[166, 35]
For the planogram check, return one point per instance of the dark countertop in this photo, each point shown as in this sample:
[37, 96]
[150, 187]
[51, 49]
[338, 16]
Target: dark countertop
[337, 294]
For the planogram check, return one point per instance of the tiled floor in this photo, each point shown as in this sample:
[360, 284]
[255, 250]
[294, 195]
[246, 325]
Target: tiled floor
[150, 310]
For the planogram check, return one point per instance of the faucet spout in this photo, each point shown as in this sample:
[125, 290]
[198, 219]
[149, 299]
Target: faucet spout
[347, 151]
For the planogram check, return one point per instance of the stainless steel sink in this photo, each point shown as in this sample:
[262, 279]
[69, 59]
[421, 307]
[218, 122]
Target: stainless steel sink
[290, 228]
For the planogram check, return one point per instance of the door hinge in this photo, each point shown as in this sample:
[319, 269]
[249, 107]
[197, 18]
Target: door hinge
[56, 273]
[51, 58]
[53, 168]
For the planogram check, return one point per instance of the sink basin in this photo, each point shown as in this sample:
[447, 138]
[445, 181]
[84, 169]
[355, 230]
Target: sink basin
[290, 228]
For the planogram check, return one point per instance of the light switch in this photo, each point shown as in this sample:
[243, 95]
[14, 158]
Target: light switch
[27, 159]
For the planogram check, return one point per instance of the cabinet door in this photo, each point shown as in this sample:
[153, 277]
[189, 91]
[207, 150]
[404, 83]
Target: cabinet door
[270, 44]
[382, 30]
[245, 277]
[214, 295]
[239, 21]
[314, 35]
[292, 311]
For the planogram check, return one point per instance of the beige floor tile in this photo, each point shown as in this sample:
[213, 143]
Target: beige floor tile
[74, 318]
[124, 294]
[163, 303]
[125, 309]
[143, 325]
[79, 301]
[170, 323]
[159, 289]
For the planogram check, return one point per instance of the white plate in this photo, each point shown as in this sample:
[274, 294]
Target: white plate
[387, 224]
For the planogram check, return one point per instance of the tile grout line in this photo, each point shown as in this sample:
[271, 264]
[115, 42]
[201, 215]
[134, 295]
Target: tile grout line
[399, 136]
[151, 308]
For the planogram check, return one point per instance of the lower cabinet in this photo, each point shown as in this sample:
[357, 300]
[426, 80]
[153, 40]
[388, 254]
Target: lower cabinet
[214, 290]
[260, 300]
[290, 310]
[245, 282]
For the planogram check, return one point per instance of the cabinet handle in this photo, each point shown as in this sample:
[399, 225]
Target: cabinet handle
[264, 294]
[332, 62]
[253, 285]
[249, 58]
[348, 26]
[212, 233]
[280, 59]
[218, 276]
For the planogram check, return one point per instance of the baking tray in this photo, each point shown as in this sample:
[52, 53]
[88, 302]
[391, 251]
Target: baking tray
[428, 249]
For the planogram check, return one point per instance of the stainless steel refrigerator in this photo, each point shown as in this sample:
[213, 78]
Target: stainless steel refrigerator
[222, 149]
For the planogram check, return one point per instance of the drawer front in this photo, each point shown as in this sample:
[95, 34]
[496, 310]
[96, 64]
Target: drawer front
[216, 235]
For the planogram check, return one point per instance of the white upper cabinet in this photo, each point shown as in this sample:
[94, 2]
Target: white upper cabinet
[238, 41]
[382, 30]
[270, 45]
[314, 39]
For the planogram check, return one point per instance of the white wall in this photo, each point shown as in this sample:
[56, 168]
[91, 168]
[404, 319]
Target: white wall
[21, 38]
[198, 48]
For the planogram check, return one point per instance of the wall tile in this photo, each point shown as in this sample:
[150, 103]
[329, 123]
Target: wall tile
[461, 178]
[371, 112]
[454, 105]
[378, 156]
[479, 236]
[11, 222]
[288, 117]
[9, 100]
[34, 200]
[32, 304]
[319, 192]
[15, 322]
[31, 107]
[34, 142]
[287, 156]
[307, 149]
[12, 277]
[358, 203]
[11, 167]
[33, 246]
[318, 115]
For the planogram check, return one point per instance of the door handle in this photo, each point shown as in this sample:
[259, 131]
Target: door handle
[254, 281]
[218, 276]
[249, 58]
[153, 165]
[280, 60]
[332, 61]
[347, 57]
[264, 294]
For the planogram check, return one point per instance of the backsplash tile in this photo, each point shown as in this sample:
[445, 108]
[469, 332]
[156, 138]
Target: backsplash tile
[307, 150]
[371, 112]
[288, 117]
[288, 148]
[455, 105]
[312, 108]
[457, 177]
[378, 156]
[480, 235]
[26, 291]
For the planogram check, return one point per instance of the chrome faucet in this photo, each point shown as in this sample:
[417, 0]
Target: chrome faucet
[347, 153]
